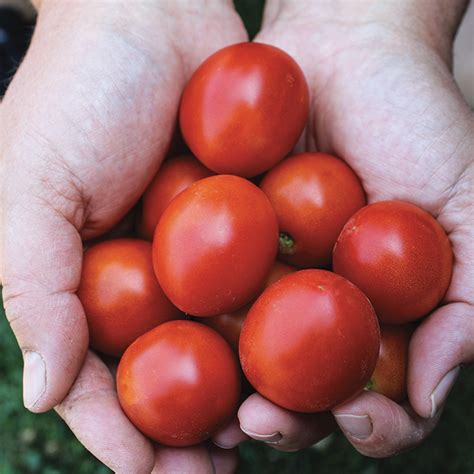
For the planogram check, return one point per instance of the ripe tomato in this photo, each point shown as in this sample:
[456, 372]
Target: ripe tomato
[175, 175]
[229, 325]
[390, 374]
[120, 294]
[214, 245]
[313, 195]
[310, 341]
[399, 256]
[179, 383]
[244, 109]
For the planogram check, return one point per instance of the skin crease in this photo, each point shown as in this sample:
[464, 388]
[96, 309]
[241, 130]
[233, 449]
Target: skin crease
[179, 383]
[230, 325]
[121, 297]
[114, 76]
[244, 109]
[313, 194]
[395, 115]
[392, 112]
[399, 256]
[210, 254]
[310, 341]
[175, 175]
[390, 374]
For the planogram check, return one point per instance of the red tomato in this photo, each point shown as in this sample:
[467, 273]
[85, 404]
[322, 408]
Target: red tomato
[244, 109]
[390, 374]
[175, 175]
[313, 194]
[214, 245]
[399, 256]
[310, 341]
[120, 294]
[229, 325]
[179, 383]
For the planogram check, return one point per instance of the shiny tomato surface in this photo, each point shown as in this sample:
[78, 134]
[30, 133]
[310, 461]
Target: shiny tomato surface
[229, 325]
[390, 374]
[399, 256]
[214, 245]
[175, 175]
[310, 341]
[244, 109]
[179, 383]
[314, 195]
[121, 295]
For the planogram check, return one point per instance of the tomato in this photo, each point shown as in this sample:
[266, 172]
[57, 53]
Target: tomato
[310, 341]
[175, 175]
[179, 383]
[313, 194]
[390, 374]
[244, 109]
[214, 245]
[120, 294]
[229, 325]
[399, 256]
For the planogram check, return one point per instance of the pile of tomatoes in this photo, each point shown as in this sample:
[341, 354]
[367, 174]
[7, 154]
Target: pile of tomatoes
[257, 257]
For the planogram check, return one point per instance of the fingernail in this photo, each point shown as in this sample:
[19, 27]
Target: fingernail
[266, 438]
[358, 426]
[34, 378]
[441, 392]
[223, 446]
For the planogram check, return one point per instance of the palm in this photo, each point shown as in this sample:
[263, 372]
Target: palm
[397, 118]
[95, 120]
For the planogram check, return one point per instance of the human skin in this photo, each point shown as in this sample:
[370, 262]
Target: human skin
[85, 125]
[383, 99]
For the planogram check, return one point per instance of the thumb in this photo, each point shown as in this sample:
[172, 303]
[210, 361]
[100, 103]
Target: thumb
[41, 259]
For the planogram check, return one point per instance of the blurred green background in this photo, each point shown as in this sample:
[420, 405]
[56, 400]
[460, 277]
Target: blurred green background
[43, 444]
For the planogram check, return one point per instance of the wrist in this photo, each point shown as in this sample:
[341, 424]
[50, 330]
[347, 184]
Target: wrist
[431, 22]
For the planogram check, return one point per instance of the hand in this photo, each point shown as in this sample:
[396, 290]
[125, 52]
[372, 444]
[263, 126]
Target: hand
[85, 124]
[384, 99]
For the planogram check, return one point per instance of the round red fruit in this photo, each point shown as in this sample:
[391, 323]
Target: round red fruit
[244, 109]
[310, 341]
[120, 294]
[390, 374]
[314, 195]
[175, 175]
[214, 245]
[179, 383]
[399, 256]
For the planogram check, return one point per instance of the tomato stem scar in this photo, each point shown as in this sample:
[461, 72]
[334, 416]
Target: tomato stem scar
[286, 244]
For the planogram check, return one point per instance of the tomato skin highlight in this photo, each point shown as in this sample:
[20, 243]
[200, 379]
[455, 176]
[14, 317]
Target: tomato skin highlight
[229, 325]
[244, 109]
[175, 175]
[310, 341]
[399, 256]
[390, 374]
[120, 294]
[214, 245]
[314, 195]
[179, 383]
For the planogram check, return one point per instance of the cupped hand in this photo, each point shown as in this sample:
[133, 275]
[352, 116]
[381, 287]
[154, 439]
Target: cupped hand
[85, 124]
[384, 99]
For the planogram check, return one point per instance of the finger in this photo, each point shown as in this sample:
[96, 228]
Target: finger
[92, 411]
[230, 436]
[42, 254]
[226, 461]
[282, 429]
[439, 346]
[378, 427]
[192, 460]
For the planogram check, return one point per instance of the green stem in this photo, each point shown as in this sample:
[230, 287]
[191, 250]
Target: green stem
[287, 244]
